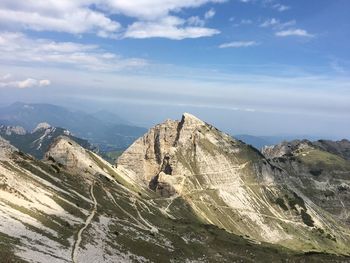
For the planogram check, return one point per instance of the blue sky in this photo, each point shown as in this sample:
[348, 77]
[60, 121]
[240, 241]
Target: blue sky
[248, 66]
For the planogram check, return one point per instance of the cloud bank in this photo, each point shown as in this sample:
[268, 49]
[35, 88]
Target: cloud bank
[152, 18]
[7, 81]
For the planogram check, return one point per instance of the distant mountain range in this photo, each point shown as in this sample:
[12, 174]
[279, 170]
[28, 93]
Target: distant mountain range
[106, 130]
[37, 142]
[183, 192]
[260, 141]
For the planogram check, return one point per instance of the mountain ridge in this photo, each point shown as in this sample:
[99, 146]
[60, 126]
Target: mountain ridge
[216, 199]
[225, 181]
[115, 134]
[37, 141]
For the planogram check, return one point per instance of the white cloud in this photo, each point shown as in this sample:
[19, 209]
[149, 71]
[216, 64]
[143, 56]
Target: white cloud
[280, 7]
[169, 27]
[337, 66]
[293, 32]
[5, 77]
[246, 21]
[209, 14]
[195, 21]
[238, 44]
[17, 47]
[62, 17]
[152, 9]
[28, 83]
[277, 24]
[7, 82]
[274, 4]
[96, 16]
[241, 22]
[270, 22]
[44, 82]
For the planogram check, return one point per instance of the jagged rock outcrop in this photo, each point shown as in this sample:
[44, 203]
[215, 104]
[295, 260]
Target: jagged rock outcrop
[12, 130]
[320, 170]
[42, 126]
[38, 141]
[65, 152]
[229, 184]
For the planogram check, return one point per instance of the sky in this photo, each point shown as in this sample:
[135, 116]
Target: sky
[260, 67]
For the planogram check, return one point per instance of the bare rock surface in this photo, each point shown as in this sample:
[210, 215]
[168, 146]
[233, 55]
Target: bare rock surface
[228, 183]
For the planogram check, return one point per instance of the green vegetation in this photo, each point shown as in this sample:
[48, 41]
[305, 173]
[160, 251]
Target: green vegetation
[296, 200]
[7, 249]
[320, 160]
[307, 219]
[280, 202]
[111, 156]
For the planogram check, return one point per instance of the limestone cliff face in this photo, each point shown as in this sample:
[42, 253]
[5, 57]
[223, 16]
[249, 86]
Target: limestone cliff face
[153, 158]
[227, 183]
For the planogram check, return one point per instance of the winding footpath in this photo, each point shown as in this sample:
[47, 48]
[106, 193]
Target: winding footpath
[87, 223]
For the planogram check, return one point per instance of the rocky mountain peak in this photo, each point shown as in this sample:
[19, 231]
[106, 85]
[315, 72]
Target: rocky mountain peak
[191, 119]
[42, 126]
[9, 130]
[226, 182]
[286, 148]
[156, 152]
[65, 152]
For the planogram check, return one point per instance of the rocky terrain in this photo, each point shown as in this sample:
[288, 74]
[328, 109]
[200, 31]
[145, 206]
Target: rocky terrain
[37, 141]
[321, 170]
[184, 192]
[231, 185]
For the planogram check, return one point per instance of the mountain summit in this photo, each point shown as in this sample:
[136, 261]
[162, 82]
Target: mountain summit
[228, 184]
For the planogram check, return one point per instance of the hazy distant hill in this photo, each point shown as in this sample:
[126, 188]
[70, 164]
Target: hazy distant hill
[110, 118]
[107, 130]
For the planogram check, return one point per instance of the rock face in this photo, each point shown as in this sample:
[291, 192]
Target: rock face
[152, 158]
[65, 152]
[9, 130]
[321, 170]
[6, 149]
[205, 198]
[42, 126]
[228, 184]
[38, 141]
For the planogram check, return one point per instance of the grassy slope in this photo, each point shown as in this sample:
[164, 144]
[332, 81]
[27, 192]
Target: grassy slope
[184, 236]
